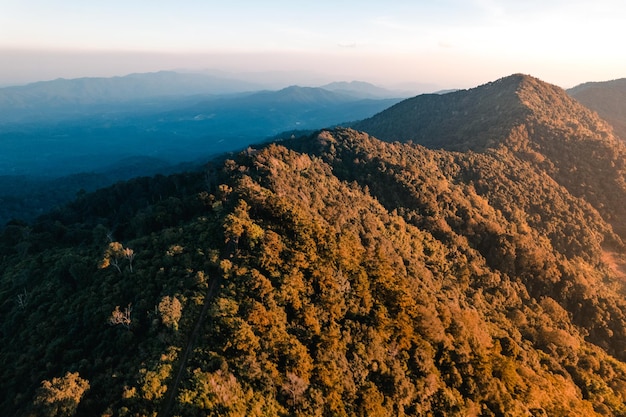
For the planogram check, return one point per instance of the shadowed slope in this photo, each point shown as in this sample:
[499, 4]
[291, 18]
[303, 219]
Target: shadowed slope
[608, 99]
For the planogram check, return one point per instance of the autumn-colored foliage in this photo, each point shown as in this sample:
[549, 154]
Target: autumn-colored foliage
[333, 275]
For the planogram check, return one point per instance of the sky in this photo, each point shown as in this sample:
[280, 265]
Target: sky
[434, 44]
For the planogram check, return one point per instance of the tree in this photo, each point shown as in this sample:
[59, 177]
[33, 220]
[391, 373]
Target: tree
[170, 310]
[61, 396]
[130, 255]
[121, 317]
[112, 255]
[116, 252]
[295, 387]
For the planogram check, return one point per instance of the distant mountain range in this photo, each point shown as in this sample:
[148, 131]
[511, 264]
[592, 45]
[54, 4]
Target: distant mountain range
[66, 93]
[49, 100]
[77, 124]
[458, 255]
[116, 128]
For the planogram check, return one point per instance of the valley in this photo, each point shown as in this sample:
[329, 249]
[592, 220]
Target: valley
[88, 133]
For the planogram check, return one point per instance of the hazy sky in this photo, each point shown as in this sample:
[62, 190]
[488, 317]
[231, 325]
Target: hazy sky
[449, 43]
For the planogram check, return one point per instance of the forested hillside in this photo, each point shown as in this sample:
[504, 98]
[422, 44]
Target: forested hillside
[608, 98]
[337, 275]
[538, 122]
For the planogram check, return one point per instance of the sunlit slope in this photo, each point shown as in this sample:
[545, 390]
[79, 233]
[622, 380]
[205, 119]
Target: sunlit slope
[333, 274]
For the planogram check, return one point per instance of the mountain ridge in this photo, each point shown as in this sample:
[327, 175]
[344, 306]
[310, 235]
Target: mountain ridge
[353, 276]
[123, 88]
[538, 121]
[426, 116]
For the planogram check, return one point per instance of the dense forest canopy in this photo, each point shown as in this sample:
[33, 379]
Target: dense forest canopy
[607, 99]
[338, 274]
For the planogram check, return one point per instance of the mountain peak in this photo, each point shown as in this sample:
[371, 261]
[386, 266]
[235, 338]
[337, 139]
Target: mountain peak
[536, 121]
[460, 120]
[482, 117]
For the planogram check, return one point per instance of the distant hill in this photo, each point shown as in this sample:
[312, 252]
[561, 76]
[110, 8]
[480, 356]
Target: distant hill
[267, 113]
[339, 274]
[363, 90]
[63, 95]
[607, 98]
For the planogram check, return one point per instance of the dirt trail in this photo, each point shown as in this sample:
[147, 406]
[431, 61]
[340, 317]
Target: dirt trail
[172, 389]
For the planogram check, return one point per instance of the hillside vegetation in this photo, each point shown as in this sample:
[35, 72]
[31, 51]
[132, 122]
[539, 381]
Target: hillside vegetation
[337, 275]
[607, 98]
[537, 122]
